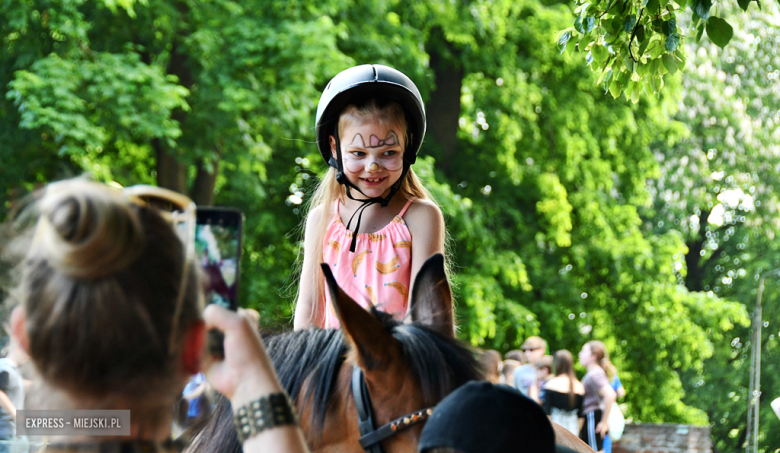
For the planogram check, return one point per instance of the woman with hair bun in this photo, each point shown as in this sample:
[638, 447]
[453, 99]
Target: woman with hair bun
[599, 396]
[110, 313]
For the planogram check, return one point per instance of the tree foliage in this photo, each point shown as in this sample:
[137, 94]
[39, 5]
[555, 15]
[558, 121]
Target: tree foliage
[631, 45]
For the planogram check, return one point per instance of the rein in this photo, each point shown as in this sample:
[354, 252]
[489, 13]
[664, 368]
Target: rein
[370, 438]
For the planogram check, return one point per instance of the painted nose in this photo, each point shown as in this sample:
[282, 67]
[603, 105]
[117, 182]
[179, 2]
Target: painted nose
[372, 166]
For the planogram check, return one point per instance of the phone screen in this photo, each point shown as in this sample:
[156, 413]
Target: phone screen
[218, 250]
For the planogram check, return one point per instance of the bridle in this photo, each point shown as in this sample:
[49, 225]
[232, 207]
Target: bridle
[371, 438]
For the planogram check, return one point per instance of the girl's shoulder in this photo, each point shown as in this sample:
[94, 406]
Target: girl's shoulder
[314, 216]
[423, 212]
[561, 384]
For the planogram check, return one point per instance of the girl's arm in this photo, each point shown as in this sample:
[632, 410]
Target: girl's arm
[426, 224]
[307, 290]
[608, 397]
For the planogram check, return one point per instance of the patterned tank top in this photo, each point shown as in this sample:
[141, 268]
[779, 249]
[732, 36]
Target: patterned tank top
[378, 273]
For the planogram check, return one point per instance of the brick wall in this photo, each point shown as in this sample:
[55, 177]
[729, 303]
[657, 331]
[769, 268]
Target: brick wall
[649, 438]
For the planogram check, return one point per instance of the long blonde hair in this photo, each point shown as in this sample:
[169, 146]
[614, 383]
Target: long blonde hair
[329, 190]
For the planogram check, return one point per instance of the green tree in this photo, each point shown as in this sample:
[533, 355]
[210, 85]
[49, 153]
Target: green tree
[717, 189]
[541, 177]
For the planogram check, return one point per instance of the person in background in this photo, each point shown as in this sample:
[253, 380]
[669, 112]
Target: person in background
[508, 372]
[564, 394]
[599, 396]
[544, 371]
[517, 355]
[491, 363]
[11, 391]
[525, 376]
[617, 386]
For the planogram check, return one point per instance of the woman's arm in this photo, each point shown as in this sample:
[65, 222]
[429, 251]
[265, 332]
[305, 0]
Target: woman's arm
[247, 374]
[426, 224]
[621, 392]
[608, 397]
[307, 290]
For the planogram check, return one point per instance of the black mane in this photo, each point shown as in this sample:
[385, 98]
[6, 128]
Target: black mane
[442, 363]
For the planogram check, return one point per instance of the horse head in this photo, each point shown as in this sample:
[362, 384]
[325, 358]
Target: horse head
[406, 366]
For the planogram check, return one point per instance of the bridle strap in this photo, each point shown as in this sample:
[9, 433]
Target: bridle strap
[370, 438]
[363, 406]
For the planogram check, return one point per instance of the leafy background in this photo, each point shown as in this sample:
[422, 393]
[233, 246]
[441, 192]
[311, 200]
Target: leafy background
[573, 213]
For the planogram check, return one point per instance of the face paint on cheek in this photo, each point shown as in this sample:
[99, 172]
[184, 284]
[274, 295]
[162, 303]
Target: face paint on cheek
[354, 165]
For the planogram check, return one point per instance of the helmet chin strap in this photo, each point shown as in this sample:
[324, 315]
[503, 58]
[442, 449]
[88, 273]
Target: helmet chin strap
[367, 201]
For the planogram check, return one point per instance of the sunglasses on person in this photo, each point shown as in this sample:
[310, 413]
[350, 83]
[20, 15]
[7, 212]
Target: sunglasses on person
[180, 211]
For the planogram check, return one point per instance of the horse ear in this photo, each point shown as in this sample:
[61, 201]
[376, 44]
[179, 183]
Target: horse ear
[432, 297]
[371, 342]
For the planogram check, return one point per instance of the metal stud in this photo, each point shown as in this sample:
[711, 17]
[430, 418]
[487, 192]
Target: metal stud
[406, 420]
[430, 411]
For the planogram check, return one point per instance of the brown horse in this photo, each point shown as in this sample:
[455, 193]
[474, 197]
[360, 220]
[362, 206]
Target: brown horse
[407, 367]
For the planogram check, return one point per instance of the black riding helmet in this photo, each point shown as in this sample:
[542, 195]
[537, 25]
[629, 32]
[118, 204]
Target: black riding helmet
[358, 85]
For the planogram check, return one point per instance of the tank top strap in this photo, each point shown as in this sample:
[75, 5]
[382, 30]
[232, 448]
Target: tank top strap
[406, 206]
[336, 210]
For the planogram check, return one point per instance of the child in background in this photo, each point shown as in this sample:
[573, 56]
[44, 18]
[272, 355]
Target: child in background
[492, 364]
[617, 386]
[508, 372]
[544, 372]
[370, 208]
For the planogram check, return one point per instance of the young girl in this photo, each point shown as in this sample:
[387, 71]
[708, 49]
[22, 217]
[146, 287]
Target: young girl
[599, 395]
[370, 207]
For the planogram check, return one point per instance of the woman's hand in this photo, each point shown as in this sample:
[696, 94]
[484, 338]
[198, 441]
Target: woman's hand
[602, 428]
[246, 373]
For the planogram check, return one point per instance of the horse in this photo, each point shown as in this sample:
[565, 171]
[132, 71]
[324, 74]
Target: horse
[408, 367]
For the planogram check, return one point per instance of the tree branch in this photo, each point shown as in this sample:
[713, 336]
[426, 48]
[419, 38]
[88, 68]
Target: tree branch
[633, 34]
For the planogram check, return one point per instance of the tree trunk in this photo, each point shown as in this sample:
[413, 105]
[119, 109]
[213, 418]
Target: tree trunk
[170, 173]
[203, 188]
[444, 105]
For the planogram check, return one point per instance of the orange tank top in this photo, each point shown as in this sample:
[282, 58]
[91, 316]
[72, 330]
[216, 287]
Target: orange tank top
[378, 273]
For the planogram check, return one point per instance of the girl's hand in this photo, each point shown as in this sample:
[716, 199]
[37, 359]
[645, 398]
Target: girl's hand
[602, 428]
[246, 373]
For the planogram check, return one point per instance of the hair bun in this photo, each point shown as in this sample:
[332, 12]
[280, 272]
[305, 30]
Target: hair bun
[86, 230]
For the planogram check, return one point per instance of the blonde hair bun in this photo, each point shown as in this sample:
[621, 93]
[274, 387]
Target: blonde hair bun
[86, 230]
